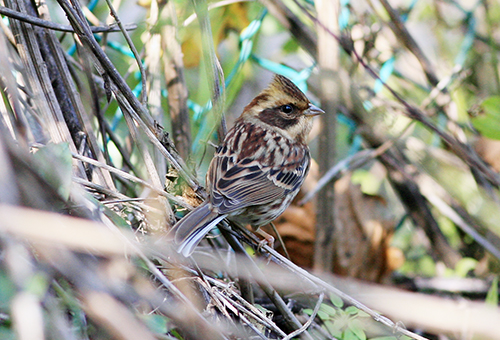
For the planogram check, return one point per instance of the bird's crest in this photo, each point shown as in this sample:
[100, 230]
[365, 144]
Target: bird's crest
[282, 84]
[280, 91]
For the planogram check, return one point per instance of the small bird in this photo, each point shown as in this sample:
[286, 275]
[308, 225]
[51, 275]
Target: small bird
[259, 167]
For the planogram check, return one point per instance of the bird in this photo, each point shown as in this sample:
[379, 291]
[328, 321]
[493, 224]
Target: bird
[258, 168]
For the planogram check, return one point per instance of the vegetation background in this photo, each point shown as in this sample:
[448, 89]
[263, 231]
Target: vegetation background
[109, 116]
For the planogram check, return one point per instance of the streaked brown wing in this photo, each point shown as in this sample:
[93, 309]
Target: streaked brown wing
[241, 182]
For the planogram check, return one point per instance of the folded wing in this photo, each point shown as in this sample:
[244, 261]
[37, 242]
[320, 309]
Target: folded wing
[254, 179]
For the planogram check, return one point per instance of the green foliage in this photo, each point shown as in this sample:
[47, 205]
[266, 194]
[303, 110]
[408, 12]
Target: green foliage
[370, 184]
[291, 46]
[156, 323]
[464, 266]
[38, 284]
[336, 300]
[427, 266]
[7, 292]
[345, 324]
[492, 296]
[60, 176]
[450, 230]
[6, 333]
[487, 121]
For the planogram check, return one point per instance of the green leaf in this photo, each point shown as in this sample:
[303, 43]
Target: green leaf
[427, 266]
[268, 313]
[37, 284]
[356, 327]
[323, 316]
[156, 323]
[308, 311]
[333, 329]
[370, 184]
[351, 310]
[327, 309]
[336, 300]
[117, 220]
[450, 230]
[464, 266]
[487, 122]
[363, 314]
[291, 46]
[6, 292]
[492, 296]
[55, 164]
[350, 335]
[384, 338]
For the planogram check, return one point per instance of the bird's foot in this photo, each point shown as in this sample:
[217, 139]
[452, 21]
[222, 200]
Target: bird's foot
[267, 241]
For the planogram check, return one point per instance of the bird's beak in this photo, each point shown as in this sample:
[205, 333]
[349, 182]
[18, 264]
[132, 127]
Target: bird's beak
[313, 110]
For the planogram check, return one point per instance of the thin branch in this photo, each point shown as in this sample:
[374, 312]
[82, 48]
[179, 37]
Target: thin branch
[347, 164]
[257, 314]
[239, 310]
[137, 57]
[271, 293]
[347, 298]
[122, 90]
[302, 32]
[320, 284]
[407, 40]
[309, 321]
[211, 6]
[213, 69]
[132, 178]
[59, 27]
[448, 211]
[125, 155]
[459, 148]
[173, 66]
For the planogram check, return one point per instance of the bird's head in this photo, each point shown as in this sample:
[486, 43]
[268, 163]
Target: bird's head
[283, 106]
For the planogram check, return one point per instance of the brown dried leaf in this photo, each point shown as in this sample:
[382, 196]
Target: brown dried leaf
[362, 233]
[363, 228]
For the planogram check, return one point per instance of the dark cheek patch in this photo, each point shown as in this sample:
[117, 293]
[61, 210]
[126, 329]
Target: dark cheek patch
[274, 118]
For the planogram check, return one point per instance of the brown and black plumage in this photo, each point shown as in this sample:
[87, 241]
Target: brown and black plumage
[259, 167]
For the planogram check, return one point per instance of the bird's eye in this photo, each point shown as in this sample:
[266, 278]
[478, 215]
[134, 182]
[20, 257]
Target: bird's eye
[287, 109]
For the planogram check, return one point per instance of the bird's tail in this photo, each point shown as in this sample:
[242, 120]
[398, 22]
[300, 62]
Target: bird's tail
[193, 227]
